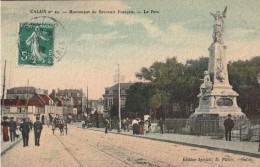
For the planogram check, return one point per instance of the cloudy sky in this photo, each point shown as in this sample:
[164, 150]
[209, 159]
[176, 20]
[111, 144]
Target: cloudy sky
[97, 43]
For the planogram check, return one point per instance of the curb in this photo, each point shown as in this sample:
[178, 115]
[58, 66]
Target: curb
[255, 155]
[11, 146]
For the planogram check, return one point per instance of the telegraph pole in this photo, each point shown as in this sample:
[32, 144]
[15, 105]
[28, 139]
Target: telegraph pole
[119, 101]
[3, 96]
[87, 100]
[27, 101]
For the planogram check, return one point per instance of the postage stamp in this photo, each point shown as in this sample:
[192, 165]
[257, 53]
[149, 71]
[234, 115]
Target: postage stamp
[36, 44]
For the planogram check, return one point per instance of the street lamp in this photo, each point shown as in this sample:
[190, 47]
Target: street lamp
[258, 80]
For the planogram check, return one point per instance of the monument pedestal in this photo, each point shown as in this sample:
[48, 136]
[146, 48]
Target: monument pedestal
[219, 100]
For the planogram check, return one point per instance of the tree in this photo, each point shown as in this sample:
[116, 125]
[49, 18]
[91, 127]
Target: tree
[137, 100]
[158, 101]
[242, 76]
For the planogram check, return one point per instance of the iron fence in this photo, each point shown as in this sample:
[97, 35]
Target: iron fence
[243, 130]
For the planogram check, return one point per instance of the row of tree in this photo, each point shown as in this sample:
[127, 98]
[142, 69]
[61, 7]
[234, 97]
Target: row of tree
[171, 88]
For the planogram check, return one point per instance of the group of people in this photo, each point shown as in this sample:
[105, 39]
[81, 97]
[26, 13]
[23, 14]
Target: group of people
[139, 126]
[25, 128]
[12, 127]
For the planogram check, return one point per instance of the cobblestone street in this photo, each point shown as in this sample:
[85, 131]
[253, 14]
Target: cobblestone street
[85, 147]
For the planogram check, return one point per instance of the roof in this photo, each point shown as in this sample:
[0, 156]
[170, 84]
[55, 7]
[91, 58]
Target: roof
[21, 103]
[45, 98]
[122, 86]
[34, 102]
[57, 99]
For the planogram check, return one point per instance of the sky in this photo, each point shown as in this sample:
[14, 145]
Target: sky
[97, 43]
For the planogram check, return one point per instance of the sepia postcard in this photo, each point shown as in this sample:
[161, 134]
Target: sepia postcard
[130, 83]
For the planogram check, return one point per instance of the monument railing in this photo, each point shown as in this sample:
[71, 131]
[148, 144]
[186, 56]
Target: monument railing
[243, 130]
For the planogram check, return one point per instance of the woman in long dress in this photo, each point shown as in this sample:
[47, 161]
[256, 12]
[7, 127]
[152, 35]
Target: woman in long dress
[33, 40]
[5, 129]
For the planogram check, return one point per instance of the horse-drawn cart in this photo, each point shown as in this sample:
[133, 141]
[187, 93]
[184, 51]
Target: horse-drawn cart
[61, 125]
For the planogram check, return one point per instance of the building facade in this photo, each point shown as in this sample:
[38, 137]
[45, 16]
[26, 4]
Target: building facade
[24, 92]
[20, 108]
[76, 97]
[111, 95]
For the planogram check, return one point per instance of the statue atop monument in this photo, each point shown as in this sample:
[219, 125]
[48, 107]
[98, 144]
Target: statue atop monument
[218, 26]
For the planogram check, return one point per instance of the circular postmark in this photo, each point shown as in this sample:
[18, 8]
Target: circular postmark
[42, 42]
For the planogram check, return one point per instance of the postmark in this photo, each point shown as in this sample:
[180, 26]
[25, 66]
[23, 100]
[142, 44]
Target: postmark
[41, 42]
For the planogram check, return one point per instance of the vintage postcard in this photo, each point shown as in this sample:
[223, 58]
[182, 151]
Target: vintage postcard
[130, 83]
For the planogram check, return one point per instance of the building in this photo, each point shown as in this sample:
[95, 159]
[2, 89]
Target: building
[49, 107]
[76, 96]
[96, 105]
[20, 108]
[65, 102]
[111, 95]
[24, 92]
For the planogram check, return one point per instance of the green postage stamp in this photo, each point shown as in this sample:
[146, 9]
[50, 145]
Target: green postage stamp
[36, 44]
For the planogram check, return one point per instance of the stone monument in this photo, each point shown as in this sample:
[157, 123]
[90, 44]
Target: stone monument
[217, 98]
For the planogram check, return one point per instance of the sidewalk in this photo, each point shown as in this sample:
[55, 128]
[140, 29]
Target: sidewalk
[5, 146]
[236, 147]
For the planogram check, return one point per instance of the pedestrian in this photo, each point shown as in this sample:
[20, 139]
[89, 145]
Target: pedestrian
[37, 126]
[66, 127]
[5, 129]
[229, 124]
[106, 125]
[25, 129]
[141, 127]
[127, 124]
[53, 127]
[124, 124]
[149, 124]
[146, 126]
[135, 126]
[13, 127]
[161, 125]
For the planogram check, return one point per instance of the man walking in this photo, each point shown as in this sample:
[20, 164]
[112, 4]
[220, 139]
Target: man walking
[127, 124]
[161, 125]
[37, 126]
[229, 124]
[13, 126]
[106, 125]
[25, 129]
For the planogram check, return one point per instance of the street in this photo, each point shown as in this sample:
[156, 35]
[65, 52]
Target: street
[86, 147]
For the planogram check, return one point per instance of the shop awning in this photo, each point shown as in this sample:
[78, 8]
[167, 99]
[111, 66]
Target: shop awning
[69, 116]
[37, 115]
[53, 115]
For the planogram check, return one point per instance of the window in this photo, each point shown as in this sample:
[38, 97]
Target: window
[23, 110]
[19, 110]
[110, 102]
[122, 102]
[79, 101]
[7, 110]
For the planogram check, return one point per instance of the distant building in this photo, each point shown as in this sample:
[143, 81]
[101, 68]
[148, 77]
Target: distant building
[20, 108]
[62, 102]
[96, 105]
[77, 97]
[24, 92]
[111, 95]
[49, 106]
